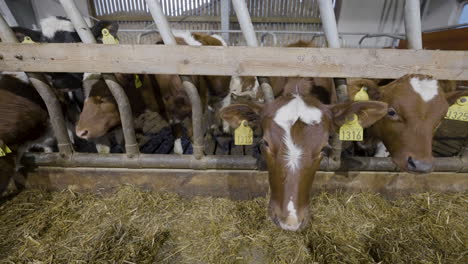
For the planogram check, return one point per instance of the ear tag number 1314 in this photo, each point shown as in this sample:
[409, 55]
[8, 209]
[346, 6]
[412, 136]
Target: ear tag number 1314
[351, 130]
[459, 110]
[243, 135]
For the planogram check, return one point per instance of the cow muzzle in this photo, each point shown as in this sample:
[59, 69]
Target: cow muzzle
[419, 166]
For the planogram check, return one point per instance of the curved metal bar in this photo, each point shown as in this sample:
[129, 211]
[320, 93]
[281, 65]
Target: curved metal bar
[191, 90]
[47, 94]
[117, 91]
[380, 35]
[413, 24]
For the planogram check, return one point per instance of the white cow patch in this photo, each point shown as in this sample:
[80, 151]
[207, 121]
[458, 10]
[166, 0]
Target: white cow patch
[187, 36]
[427, 89]
[91, 76]
[18, 75]
[292, 222]
[52, 24]
[381, 151]
[286, 116]
[178, 147]
[218, 37]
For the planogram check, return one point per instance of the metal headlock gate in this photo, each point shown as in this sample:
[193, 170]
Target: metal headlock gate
[252, 61]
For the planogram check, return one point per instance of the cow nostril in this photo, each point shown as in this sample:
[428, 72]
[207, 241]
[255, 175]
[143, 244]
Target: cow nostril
[411, 163]
[83, 133]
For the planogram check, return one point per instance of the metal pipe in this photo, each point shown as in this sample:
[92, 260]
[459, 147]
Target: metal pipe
[164, 161]
[161, 22]
[48, 96]
[331, 33]
[249, 34]
[225, 11]
[117, 91]
[413, 24]
[245, 22]
[329, 23]
[191, 90]
[126, 116]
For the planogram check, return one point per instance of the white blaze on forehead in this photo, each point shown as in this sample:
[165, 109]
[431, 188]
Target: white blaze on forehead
[426, 88]
[187, 36]
[18, 75]
[286, 116]
[52, 24]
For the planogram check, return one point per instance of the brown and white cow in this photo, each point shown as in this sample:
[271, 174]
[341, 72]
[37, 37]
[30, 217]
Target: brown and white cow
[296, 126]
[416, 106]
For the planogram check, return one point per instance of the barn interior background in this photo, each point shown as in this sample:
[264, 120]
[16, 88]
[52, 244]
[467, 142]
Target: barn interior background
[277, 22]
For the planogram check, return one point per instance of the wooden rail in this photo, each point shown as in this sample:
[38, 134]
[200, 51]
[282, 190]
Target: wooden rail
[264, 61]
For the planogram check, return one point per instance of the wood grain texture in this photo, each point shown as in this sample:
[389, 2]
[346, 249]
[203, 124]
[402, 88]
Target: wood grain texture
[236, 184]
[264, 61]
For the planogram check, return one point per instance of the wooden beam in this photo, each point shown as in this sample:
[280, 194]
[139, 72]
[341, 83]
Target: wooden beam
[210, 19]
[264, 61]
[238, 184]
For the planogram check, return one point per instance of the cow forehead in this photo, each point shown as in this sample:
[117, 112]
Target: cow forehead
[427, 89]
[296, 109]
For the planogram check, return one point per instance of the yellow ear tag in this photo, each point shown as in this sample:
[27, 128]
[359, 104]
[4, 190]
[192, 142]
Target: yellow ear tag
[27, 40]
[7, 149]
[138, 82]
[2, 153]
[107, 37]
[243, 135]
[362, 95]
[459, 110]
[351, 130]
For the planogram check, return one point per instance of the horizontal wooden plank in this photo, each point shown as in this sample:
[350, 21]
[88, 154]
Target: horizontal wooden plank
[261, 61]
[238, 184]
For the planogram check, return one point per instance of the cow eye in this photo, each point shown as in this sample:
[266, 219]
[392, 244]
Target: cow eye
[392, 113]
[265, 143]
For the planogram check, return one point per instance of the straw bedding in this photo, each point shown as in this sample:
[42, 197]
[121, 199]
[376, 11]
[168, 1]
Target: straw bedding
[133, 226]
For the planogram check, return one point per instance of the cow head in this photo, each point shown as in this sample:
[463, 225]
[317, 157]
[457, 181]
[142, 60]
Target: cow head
[416, 107]
[57, 29]
[100, 113]
[296, 127]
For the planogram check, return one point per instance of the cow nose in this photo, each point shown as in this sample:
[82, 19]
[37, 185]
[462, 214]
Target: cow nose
[420, 166]
[82, 133]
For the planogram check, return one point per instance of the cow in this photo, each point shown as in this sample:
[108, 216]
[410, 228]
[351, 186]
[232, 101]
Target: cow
[296, 127]
[417, 104]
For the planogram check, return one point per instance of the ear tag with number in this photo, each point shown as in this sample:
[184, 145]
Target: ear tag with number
[28, 40]
[4, 151]
[362, 95]
[107, 37]
[459, 110]
[243, 135]
[138, 82]
[351, 130]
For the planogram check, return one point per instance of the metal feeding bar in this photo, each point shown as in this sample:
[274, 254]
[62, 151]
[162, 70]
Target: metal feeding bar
[240, 7]
[191, 90]
[327, 15]
[131, 145]
[413, 24]
[47, 94]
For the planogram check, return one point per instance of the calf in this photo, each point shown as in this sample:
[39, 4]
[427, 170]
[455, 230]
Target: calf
[416, 106]
[296, 126]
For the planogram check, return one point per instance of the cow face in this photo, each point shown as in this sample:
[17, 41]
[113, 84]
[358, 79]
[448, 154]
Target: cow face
[416, 106]
[296, 127]
[100, 113]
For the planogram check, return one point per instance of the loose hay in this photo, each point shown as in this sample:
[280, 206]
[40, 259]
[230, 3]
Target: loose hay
[132, 226]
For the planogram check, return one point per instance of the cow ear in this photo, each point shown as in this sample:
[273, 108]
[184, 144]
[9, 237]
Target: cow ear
[452, 97]
[368, 112]
[113, 27]
[371, 86]
[235, 113]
